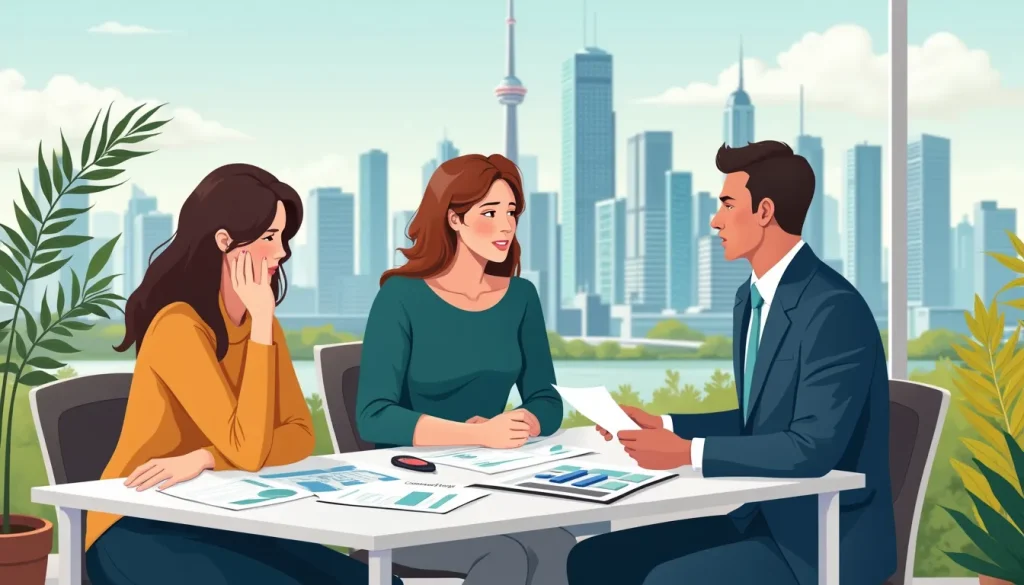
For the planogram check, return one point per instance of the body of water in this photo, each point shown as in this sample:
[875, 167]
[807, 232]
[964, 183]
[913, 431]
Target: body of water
[644, 376]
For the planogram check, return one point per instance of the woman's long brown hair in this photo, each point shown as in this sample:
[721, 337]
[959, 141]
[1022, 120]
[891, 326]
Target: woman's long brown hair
[239, 198]
[458, 184]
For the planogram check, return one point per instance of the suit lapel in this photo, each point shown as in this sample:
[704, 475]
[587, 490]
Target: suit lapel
[740, 324]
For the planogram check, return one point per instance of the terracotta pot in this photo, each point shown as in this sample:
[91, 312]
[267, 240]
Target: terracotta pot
[25, 551]
[986, 580]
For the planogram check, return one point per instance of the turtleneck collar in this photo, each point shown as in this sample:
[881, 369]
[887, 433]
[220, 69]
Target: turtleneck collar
[236, 333]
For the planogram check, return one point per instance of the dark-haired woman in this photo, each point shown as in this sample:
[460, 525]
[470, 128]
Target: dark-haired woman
[213, 388]
[449, 333]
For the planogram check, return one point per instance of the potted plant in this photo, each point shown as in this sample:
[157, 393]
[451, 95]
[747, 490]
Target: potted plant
[990, 384]
[36, 249]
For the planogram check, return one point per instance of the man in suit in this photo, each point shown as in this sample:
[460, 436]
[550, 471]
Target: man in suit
[812, 385]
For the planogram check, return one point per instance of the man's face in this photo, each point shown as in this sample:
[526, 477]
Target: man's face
[738, 227]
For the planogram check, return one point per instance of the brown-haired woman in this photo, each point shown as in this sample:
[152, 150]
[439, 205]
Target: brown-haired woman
[213, 388]
[448, 335]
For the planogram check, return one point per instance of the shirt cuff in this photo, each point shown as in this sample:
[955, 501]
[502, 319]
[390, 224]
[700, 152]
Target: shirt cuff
[666, 421]
[697, 453]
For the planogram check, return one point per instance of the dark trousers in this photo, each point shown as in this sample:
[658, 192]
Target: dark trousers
[135, 551]
[698, 551]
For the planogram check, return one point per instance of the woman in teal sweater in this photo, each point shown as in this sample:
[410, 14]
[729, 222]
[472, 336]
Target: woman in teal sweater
[448, 335]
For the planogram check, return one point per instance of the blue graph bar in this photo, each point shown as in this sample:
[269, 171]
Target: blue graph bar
[590, 480]
[569, 476]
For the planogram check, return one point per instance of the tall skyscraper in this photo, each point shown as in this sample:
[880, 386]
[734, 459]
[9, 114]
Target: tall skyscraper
[832, 235]
[990, 226]
[529, 167]
[704, 207]
[151, 232]
[400, 221]
[445, 152]
[738, 126]
[511, 91]
[718, 279]
[811, 149]
[138, 204]
[373, 213]
[542, 252]
[103, 227]
[963, 264]
[610, 248]
[679, 186]
[929, 278]
[332, 244]
[648, 159]
[588, 162]
[863, 262]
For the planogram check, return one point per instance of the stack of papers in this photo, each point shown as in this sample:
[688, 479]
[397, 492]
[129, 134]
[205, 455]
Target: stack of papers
[587, 481]
[491, 461]
[412, 496]
[234, 493]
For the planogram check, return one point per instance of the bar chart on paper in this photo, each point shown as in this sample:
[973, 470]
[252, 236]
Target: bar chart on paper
[434, 498]
[491, 461]
[591, 483]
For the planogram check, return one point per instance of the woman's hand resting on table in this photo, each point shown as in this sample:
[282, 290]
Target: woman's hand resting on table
[508, 430]
[168, 471]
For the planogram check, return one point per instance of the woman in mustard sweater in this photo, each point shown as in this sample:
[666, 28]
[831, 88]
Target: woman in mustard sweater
[449, 333]
[213, 388]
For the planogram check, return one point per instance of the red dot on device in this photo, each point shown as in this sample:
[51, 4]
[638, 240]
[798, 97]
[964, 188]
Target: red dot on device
[412, 461]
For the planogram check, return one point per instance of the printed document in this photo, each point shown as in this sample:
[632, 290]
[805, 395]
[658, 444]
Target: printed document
[234, 493]
[411, 496]
[491, 461]
[598, 405]
[589, 481]
[330, 479]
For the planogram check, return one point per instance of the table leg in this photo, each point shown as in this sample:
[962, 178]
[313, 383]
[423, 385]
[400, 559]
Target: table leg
[69, 545]
[828, 539]
[380, 567]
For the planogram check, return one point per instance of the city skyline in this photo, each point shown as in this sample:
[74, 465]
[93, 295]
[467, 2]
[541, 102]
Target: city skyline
[543, 43]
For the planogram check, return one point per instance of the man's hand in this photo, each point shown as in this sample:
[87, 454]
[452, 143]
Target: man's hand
[656, 448]
[646, 421]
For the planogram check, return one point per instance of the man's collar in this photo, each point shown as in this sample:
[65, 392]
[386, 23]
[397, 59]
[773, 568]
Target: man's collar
[768, 284]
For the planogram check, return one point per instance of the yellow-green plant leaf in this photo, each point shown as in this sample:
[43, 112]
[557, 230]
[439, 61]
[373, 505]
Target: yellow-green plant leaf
[1014, 264]
[1017, 244]
[975, 483]
[981, 404]
[981, 382]
[991, 458]
[1008, 349]
[995, 334]
[974, 324]
[978, 362]
[985, 428]
[1017, 422]
[1015, 283]
[1015, 303]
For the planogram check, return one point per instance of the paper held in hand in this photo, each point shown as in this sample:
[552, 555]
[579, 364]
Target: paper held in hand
[598, 405]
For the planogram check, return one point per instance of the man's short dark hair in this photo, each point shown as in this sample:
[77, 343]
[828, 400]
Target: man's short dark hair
[775, 173]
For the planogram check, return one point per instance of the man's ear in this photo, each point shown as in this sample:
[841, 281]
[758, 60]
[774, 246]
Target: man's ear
[454, 221]
[223, 240]
[765, 212]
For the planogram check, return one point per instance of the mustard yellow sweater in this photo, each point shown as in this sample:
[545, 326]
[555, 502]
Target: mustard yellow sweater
[247, 410]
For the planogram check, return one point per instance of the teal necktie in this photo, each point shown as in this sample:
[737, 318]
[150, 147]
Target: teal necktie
[753, 337]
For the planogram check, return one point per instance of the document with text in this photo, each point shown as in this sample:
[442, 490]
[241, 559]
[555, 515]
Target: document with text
[234, 493]
[329, 479]
[597, 404]
[410, 496]
[589, 481]
[491, 461]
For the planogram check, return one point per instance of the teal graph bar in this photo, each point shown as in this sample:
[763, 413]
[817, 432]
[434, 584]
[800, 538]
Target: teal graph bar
[413, 498]
[441, 502]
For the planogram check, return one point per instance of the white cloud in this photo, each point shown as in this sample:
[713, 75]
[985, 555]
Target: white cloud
[116, 28]
[840, 70]
[31, 115]
[330, 170]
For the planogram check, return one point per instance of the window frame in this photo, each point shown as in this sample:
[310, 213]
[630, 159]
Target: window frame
[897, 138]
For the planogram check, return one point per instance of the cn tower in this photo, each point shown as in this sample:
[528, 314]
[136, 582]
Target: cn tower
[511, 92]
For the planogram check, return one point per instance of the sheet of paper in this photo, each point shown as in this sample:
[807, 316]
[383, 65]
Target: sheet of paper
[234, 493]
[585, 480]
[411, 496]
[491, 461]
[329, 479]
[598, 405]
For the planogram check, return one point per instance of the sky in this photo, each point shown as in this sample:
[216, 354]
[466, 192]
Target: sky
[304, 90]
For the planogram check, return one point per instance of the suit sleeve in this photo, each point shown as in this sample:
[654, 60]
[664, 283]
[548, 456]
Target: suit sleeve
[707, 424]
[838, 359]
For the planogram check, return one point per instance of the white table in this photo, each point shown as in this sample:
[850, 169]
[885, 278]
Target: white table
[380, 531]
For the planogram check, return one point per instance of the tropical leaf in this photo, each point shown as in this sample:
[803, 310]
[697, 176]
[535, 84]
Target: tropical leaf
[979, 402]
[101, 284]
[17, 241]
[8, 266]
[975, 483]
[1014, 264]
[44, 176]
[69, 212]
[28, 228]
[137, 138]
[60, 299]
[152, 126]
[5, 323]
[97, 310]
[30, 325]
[1009, 496]
[1018, 245]
[8, 368]
[8, 298]
[36, 378]
[65, 155]
[1007, 540]
[60, 242]
[76, 289]
[988, 544]
[973, 325]
[44, 313]
[980, 566]
[7, 282]
[56, 228]
[987, 454]
[972, 359]
[1015, 303]
[86, 189]
[60, 331]
[44, 257]
[120, 126]
[45, 363]
[57, 346]
[87, 144]
[983, 426]
[58, 178]
[101, 147]
[1015, 283]
[19, 345]
[48, 269]
[30, 200]
[77, 325]
[104, 174]
[1008, 350]
[137, 126]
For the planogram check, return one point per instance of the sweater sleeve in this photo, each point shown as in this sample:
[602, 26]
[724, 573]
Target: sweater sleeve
[241, 430]
[387, 345]
[537, 377]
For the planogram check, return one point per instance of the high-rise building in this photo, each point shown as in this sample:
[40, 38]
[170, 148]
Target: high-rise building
[963, 264]
[151, 232]
[373, 213]
[717, 278]
[588, 162]
[542, 253]
[140, 203]
[863, 262]
[103, 227]
[528, 171]
[929, 278]
[704, 207]
[529, 168]
[648, 159]
[738, 120]
[991, 224]
[810, 148]
[511, 91]
[832, 236]
[445, 152]
[679, 186]
[610, 249]
[400, 221]
[332, 244]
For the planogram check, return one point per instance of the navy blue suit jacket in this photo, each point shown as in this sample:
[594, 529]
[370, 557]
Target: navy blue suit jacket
[819, 401]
